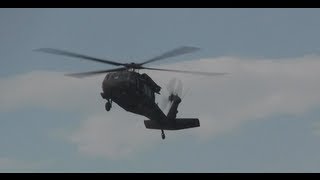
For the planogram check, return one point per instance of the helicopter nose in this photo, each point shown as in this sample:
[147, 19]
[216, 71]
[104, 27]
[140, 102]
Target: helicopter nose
[107, 85]
[115, 85]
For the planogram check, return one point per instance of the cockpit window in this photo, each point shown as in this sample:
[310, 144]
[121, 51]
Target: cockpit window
[116, 76]
[107, 77]
[119, 76]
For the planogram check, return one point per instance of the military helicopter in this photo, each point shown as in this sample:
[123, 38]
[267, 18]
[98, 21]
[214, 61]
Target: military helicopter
[135, 92]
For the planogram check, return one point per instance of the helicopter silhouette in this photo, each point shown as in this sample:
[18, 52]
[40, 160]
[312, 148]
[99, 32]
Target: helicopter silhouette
[135, 92]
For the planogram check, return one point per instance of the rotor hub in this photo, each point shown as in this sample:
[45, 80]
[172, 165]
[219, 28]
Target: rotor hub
[133, 66]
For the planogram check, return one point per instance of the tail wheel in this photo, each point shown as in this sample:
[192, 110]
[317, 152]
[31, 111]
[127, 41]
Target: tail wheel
[163, 136]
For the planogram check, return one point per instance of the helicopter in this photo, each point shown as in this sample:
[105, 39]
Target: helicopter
[135, 92]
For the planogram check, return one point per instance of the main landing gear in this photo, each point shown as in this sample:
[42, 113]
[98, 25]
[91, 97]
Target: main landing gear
[163, 136]
[108, 105]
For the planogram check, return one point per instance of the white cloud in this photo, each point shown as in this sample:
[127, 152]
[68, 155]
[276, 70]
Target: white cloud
[49, 90]
[255, 89]
[112, 135]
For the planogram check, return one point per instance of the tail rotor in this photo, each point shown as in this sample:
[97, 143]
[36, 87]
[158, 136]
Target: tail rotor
[173, 88]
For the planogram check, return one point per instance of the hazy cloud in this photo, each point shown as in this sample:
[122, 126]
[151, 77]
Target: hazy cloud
[113, 135]
[48, 90]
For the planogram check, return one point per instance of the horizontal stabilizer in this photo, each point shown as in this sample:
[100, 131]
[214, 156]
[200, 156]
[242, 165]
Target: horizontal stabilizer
[177, 124]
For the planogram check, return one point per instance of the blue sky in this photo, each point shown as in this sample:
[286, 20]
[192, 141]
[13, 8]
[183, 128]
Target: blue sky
[263, 118]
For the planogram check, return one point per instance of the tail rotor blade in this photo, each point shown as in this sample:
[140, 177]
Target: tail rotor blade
[185, 93]
[171, 88]
[164, 103]
[171, 85]
[179, 88]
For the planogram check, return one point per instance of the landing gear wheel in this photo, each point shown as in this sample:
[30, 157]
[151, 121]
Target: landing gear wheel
[163, 136]
[108, 106]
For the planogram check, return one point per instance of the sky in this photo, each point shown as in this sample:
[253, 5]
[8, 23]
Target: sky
[261, 117]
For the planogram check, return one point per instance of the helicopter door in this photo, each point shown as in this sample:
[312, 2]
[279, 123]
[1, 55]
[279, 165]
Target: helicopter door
[137, 84]
[139, 87]
[147, 91]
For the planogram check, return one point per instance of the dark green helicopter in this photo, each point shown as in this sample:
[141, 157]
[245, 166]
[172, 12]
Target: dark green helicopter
[135, 92]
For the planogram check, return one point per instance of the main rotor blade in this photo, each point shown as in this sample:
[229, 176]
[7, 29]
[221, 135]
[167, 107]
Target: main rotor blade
[172, 53]
[92, 73]
[188, 72]
[75, 55]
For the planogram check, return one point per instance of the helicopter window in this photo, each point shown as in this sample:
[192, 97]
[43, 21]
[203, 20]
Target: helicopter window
[111, 76]
[108, 76]
[115, 76]
[121, 76]
[147, 91]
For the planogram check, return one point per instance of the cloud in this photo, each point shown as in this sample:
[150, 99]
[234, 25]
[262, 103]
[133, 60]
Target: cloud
[48, 90]
[256, 89]
[114, 135]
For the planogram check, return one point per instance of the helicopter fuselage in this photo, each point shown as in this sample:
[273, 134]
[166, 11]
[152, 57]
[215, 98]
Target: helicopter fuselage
[133, 92]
